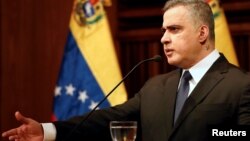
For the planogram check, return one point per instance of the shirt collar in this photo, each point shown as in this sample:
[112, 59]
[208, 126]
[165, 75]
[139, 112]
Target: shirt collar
[199, 69]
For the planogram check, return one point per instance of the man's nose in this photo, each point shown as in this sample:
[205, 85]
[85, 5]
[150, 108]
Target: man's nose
[165, 38]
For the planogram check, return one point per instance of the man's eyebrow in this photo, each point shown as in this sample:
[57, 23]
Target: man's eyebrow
[174, 25]
[170, 26]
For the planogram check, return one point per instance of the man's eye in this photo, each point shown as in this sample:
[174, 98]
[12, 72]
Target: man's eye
[173, 28]
[163, 30]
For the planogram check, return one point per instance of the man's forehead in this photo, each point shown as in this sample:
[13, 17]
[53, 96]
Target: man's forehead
[176, 11]
[176, 15]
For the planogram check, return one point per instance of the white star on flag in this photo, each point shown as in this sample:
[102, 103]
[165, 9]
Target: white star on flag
[58, 91]
[92, 105]
[83, 96]
[70, 90]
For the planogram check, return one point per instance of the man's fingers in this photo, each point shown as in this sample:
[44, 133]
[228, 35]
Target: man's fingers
[15, 137]
[11, 132]
[21, 118]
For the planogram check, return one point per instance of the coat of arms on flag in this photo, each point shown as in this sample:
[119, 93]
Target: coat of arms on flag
[88, 11]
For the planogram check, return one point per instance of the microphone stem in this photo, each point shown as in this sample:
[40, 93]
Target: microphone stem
[117, 85]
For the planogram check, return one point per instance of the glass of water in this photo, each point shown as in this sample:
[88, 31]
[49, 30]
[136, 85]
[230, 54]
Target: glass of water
[123, 130]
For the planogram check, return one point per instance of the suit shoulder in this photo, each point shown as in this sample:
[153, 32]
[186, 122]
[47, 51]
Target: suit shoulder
[239, 70]
[237, 74]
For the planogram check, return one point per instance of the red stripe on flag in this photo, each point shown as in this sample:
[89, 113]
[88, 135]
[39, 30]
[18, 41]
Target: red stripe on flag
[208, 1]
[53, 117]
[93, 2]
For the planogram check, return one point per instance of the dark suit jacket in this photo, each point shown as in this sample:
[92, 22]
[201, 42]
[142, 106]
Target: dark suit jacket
[222, 97]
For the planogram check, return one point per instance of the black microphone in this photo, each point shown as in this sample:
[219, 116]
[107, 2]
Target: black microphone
[156, 58]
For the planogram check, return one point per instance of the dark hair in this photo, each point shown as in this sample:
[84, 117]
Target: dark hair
[199, 10]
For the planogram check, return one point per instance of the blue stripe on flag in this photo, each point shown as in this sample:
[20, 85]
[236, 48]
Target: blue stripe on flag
[77, 90]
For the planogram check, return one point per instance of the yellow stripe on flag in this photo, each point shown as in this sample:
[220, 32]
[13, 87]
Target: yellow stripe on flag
[93, 36]
[223, 40]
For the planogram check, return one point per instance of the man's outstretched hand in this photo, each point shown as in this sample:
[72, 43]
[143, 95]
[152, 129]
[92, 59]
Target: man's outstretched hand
[30, 130]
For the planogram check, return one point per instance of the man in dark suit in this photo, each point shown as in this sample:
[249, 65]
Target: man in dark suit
[206, 91]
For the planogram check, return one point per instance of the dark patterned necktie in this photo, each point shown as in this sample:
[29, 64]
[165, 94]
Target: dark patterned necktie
[182, 93]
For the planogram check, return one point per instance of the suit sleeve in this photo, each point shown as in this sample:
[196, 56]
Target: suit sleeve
[96, 127]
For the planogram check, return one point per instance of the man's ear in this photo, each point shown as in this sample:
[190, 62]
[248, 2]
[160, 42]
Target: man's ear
[203, 33]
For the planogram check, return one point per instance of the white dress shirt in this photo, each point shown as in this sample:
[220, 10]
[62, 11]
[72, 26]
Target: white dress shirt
[198, 70]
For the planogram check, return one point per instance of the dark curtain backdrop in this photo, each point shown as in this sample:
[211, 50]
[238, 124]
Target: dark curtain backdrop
[33, 35]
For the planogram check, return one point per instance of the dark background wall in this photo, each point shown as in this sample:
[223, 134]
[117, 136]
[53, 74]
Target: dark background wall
[33, 34]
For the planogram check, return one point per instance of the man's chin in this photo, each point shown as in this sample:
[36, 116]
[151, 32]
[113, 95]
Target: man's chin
[173, 63]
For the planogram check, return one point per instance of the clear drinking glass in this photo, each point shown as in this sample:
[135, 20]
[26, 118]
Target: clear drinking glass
[123, 130]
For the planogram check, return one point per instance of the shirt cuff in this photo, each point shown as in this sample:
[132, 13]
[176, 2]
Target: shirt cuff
[49, 130]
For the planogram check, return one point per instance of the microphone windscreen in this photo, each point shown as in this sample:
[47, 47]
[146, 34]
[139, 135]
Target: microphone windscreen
[157, 58]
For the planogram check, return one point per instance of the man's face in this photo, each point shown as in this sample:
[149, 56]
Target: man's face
[180, 38]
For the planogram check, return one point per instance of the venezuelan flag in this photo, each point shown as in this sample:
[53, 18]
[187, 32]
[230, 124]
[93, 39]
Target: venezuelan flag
[223, 40]
[90, 67]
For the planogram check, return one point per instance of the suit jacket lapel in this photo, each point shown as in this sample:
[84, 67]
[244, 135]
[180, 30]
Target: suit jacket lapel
[200, 92]
[170, 96]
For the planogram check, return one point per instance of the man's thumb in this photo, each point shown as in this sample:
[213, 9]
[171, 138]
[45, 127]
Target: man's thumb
[21, 118]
